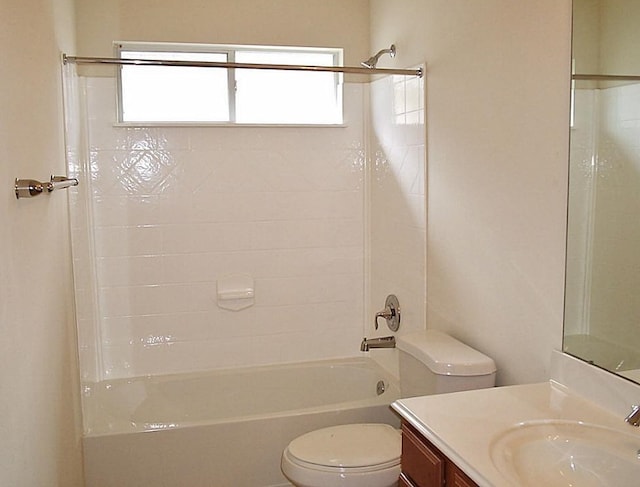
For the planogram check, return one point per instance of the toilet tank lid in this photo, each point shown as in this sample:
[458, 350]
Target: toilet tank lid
[445, 355]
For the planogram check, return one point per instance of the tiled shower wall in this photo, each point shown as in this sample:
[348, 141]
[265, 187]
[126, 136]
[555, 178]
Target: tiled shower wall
[175, 209]
[165, 212]
[616, 262]
[397, 200]
[603, 262]
[581, 194]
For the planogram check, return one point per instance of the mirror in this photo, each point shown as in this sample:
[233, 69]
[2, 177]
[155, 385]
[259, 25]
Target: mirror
[602, 304]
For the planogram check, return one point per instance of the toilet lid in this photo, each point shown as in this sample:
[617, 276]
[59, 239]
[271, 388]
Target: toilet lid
[351, 445]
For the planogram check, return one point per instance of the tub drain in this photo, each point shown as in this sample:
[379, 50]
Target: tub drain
[380, 387]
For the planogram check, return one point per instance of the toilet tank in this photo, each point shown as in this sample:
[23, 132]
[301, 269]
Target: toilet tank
[432, 362]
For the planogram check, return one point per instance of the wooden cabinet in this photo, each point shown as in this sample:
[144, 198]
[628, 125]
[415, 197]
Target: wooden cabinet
[423, 465]
[456, 477]
[403, 481]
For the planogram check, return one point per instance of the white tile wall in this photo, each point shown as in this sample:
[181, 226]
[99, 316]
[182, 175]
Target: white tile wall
[616, 262]
[170, 210]
[603, 262]
[173, 209]
[581, 187]
[398, 200]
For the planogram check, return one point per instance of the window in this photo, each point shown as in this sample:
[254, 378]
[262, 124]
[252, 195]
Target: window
[181, 94]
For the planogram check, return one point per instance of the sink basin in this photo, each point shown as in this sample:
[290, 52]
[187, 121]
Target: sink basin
[567, 454]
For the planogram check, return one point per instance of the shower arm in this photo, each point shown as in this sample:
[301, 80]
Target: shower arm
[373, 60]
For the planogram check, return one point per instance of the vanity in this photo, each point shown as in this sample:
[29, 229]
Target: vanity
[568, 431]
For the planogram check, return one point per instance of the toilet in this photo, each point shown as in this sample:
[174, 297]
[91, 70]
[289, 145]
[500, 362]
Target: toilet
[368, 455]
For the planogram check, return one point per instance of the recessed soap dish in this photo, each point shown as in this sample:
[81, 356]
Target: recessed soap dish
[235, 292]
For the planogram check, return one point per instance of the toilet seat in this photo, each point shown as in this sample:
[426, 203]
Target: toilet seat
[353, 455]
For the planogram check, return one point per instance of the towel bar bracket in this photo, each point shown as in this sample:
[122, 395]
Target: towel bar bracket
[28, 188]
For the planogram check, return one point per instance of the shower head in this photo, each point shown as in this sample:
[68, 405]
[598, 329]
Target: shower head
[373, 60]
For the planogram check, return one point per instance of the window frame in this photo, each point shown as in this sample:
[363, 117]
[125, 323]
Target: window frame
[230, 51]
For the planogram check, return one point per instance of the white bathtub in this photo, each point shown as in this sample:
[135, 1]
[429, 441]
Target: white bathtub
[222, 428]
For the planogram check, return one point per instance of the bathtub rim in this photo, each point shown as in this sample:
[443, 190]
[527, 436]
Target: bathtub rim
[89, 411]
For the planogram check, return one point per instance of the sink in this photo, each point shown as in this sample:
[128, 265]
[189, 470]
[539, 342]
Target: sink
[567, 454]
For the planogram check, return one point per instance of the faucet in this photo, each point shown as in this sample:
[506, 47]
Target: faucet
[634, 416]
[391, 313]
[382, 342]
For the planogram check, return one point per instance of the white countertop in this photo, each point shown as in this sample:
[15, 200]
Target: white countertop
[463, 424]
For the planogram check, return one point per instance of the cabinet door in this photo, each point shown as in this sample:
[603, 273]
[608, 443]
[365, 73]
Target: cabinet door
[422, 463]
[457, 478]
[403, 481]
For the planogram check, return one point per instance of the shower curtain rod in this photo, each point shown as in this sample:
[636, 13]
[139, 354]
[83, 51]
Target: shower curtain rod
[605, 77]
[212, 64]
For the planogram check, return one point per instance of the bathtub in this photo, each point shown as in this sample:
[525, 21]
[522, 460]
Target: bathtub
[222, 428]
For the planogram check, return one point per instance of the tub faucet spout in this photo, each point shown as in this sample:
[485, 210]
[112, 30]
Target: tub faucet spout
[382, 342]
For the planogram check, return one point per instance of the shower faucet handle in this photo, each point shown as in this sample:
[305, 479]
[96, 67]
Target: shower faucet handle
[391, 313]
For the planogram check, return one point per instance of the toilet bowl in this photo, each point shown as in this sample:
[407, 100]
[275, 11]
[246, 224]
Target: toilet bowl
[353, 455]
[368, 455]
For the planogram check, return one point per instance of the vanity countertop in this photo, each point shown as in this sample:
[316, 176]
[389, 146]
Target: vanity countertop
[464, 425]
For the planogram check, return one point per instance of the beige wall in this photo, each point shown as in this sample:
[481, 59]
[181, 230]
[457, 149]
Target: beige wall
[606, 36]
[325, 23]
[619, 53]
[39, 432]
[497, 143]
[586, 36]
